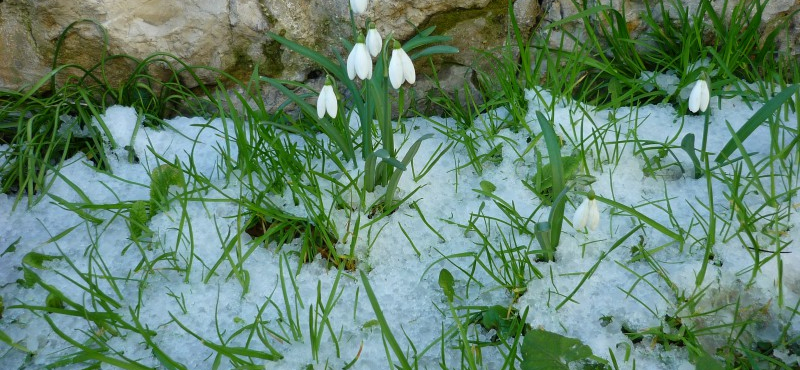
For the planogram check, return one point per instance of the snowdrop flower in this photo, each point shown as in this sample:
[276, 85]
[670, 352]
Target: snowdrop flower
[359, 62]
[359, 6]
[401, 68]
[374, 41]
[587, 215]
[326, 102]
[699, 97]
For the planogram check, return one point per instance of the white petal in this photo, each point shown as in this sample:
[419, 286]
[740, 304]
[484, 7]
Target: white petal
[408, 68]
[363, 61]
[580, 218]
[704, 96]
[374, 42]
[593, 215]
[396, 69]
[694, 98]
[321, 102]
[358, 6]
[330, 102]
[351, 64]
[699, 97]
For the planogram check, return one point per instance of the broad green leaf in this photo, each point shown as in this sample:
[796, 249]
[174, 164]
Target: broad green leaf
[446, 282]
[687, 144]
[161, 179]
[54, 300]
[29, 279]
[37, 260]
[488, 187]
[433, 50]
[138, 219]
[543, 350]
[506, 322]
[559, 182]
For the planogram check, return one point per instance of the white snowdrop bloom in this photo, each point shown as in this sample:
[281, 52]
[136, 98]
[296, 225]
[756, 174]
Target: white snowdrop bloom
[374, 41]
[699, 97]
[587, 215]
[326, 102]
[401, 68]
[359, 62]
[359, 6]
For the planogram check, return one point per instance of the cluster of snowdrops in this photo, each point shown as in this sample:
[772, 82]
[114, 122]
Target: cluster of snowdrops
[401, 70]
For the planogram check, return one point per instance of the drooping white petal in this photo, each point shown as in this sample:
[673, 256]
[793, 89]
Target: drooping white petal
[581, 216]
[593, 215]
[699, 97]
[705, 96]
[321, 106]
[396, 75]
[374, 42]
[331, 105]
[359, 63]
[351, 64]
[326, 102]
[358, 6]
[409, 73]
[363, 61]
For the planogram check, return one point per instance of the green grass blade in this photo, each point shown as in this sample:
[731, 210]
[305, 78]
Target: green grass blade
[641, 217]
[5, 338]
[387, 333]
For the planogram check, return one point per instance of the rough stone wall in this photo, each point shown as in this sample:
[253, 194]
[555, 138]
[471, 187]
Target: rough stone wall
[231, 35]
[228, 35]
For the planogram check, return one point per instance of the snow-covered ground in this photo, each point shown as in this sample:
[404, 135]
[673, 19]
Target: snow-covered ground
[619, 287]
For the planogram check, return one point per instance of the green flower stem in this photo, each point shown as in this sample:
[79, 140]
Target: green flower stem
[712, 218]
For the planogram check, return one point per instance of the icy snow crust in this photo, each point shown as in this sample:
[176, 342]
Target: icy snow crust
[629, 292]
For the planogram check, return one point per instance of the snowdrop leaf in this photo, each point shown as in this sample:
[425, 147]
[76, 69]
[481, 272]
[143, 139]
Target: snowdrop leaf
[543, 350]
[37, 260]
[756, 120]
[433, 50]
[446, 282]
[424, 38]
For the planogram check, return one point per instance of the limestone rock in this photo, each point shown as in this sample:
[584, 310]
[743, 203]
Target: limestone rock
[230, 36]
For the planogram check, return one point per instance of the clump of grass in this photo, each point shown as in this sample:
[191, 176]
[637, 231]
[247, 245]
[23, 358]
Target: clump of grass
[61, 114]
